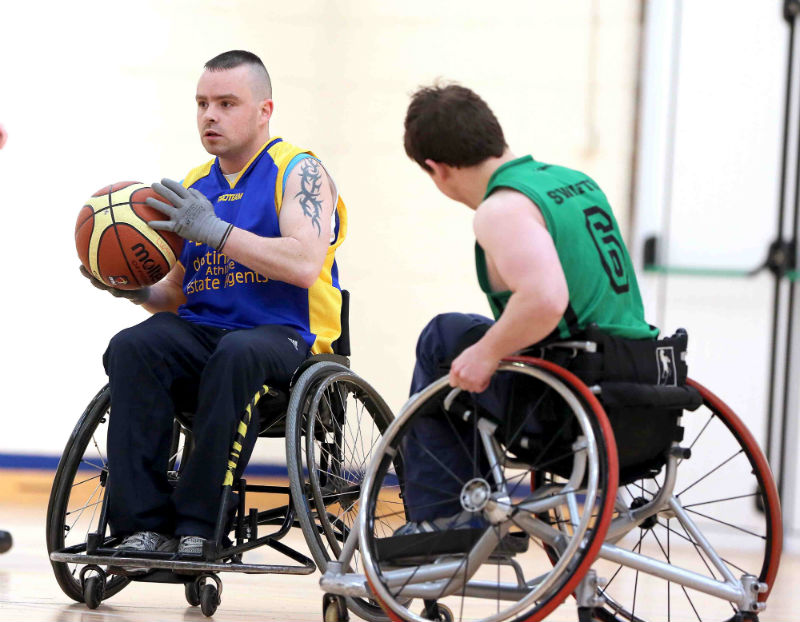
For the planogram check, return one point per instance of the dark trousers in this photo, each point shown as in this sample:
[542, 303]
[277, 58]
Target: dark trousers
[167, 364]
[440, 457]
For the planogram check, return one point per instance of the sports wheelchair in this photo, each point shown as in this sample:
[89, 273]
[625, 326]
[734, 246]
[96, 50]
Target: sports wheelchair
[683, 522]
[331, 420]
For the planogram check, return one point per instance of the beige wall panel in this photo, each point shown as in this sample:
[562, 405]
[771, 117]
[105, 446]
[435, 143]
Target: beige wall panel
[94, 92]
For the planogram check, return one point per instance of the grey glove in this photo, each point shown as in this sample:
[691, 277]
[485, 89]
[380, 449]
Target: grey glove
[191, 215]
[136, 296]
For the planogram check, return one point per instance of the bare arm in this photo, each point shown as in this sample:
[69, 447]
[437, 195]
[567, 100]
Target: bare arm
[167, 294]
[305, 222]
[512, 232]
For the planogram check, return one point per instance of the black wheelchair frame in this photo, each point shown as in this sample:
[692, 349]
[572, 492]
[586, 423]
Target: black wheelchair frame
[321, 391]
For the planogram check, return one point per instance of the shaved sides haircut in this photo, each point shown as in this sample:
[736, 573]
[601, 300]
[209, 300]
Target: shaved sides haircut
[237, 58]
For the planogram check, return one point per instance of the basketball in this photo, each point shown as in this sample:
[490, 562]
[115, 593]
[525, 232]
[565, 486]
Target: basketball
[116, 244]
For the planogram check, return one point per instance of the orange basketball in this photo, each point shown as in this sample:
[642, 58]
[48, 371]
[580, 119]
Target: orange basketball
[116, 244]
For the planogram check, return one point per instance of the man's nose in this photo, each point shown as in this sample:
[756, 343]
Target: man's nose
[209, 114]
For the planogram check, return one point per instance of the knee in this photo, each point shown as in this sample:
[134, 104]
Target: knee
[132, 343]
[440, 336]
[434, 331]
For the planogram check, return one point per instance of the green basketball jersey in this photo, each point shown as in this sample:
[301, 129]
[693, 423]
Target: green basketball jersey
[600, 278]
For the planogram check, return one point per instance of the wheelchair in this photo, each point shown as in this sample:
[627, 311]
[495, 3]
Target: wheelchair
[641, 501]
[331, 420]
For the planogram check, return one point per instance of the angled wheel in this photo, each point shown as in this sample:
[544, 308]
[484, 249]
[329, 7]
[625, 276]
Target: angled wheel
[720, 489]
[209, 599]
[335, 420]
[77, 495]
[78, 491]
[192, 593]
[496, 565]
[94, 590]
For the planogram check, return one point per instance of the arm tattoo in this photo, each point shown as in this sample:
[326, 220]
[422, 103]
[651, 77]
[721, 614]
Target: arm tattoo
[310, 184]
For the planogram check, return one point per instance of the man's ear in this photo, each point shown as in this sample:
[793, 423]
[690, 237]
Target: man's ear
[266, 108]
[438, 170]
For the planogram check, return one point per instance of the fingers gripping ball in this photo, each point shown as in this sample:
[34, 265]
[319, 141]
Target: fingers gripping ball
[116, 244]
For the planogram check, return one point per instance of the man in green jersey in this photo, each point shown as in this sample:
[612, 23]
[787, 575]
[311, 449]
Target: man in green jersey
[549, 256]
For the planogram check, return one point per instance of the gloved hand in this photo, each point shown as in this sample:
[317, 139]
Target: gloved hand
[191, 215]
[136, 296]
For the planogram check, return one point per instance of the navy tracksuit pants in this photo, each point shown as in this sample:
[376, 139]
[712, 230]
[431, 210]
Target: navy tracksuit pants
[167, 364]
[439, 457]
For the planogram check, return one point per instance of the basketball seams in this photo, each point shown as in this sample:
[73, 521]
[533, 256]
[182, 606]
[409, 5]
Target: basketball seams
[122, 250]
[134, 251]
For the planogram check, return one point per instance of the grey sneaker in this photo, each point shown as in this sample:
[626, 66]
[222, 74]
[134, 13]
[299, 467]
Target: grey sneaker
[144, 542]
[190, 545]
[147, 542]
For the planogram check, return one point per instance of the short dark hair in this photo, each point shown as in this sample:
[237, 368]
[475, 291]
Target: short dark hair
[451, 124]
[237, 58]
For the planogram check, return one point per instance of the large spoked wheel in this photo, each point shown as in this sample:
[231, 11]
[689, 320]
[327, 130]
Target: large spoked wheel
[335, 420]
[727, 492]
[77, 495]
[504, 557]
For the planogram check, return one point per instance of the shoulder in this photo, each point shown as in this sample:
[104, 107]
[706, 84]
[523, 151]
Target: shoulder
[506, 208]
[197, 173]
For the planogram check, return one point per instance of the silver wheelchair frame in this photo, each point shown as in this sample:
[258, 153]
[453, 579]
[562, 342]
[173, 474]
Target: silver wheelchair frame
[395, 586]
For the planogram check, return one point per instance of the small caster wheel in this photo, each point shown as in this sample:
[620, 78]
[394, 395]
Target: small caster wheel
[94, 588]
[209, 599]
[437, 612]
[334, 609]
[192, 593]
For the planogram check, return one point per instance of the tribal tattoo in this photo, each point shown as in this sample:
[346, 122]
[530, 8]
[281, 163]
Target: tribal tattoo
[310, 185]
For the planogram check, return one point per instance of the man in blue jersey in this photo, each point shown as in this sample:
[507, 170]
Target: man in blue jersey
[255, 291]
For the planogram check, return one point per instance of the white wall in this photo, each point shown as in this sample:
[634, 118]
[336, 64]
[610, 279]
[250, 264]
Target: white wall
[708, 186]
[96, 92]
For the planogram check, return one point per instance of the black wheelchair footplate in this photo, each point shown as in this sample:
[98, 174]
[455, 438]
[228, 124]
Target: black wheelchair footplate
[422, 547]
[166, 567]
[172, 568]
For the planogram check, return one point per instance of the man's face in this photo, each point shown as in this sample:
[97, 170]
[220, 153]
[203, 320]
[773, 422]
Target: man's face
[230, 118]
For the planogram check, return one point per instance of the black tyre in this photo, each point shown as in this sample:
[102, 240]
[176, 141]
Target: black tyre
[77, 495]
[94, 589]
[209, 599]
[335, 420]
[192, 593]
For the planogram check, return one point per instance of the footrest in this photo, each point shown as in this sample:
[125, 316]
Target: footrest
[412, 548]
[188, 567]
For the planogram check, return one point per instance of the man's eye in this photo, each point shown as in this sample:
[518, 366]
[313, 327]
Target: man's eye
[227, 104]
[202, 104]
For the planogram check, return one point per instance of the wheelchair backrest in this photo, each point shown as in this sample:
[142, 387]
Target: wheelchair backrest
[342, 345]
[641, 384]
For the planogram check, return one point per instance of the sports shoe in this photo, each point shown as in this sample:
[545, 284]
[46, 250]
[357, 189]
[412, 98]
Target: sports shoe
[191, 545]
[462, 520]
[147, 542]
[144, 542]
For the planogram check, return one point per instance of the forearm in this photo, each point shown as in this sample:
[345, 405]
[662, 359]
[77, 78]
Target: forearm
[283, 258]
[164, 296]
[527, 319]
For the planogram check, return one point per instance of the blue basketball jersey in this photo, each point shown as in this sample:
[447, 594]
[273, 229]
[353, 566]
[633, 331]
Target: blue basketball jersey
[222, 292]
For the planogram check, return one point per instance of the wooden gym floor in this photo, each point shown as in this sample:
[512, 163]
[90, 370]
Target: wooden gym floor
[29, 592]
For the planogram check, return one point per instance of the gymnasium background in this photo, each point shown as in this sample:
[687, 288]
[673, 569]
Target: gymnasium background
[674, 108]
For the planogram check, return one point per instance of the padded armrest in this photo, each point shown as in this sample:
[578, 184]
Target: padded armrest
[634, 394]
